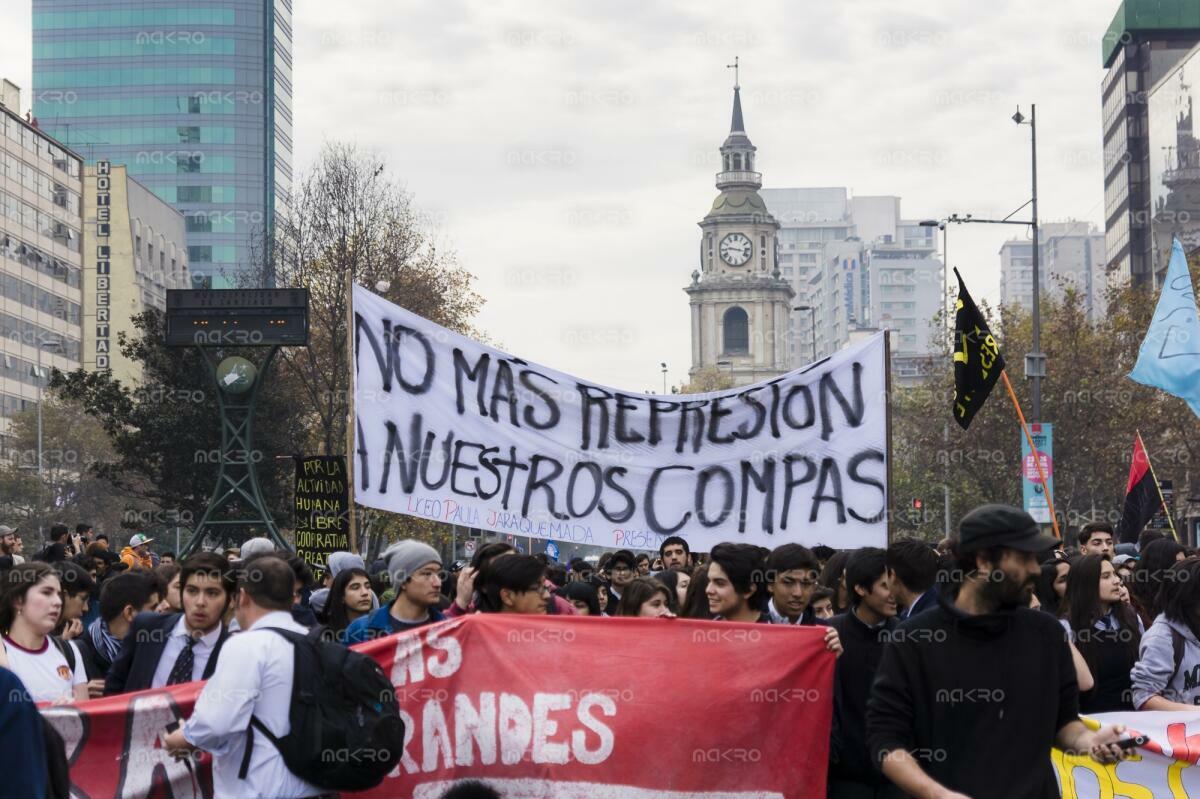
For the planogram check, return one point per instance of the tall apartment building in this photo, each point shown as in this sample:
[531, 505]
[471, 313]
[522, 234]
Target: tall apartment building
[1072, 256]
[857, 264]
[194, 100]
[82, 250]
[41, 264]
[1145, 40]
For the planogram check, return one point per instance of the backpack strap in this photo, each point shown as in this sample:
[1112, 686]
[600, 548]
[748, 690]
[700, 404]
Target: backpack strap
[67, 651]
[293, 637]
[254, 722]
[1177, 646]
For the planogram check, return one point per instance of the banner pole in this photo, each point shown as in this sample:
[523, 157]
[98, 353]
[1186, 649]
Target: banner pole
[353, 527]
[1037, 458]
[1157, 487]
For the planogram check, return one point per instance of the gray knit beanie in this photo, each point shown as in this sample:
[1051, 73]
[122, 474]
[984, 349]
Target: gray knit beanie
[404, 558]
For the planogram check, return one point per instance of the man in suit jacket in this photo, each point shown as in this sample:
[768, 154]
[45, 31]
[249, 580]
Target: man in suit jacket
[170, 648]
[912, 573]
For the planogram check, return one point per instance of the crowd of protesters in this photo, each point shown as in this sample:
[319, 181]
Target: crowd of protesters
[993, 642]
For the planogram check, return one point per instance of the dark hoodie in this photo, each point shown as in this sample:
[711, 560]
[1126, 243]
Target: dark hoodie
[977, 700]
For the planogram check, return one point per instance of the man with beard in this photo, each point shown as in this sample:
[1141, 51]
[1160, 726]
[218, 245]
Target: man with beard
[982, 678]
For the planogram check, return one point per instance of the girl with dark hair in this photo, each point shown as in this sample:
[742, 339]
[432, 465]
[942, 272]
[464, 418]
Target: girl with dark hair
[678, 583]
[695, 605]
[514, 584]
[1169, 656]
[646, 598]
[1156, 560]
[833, 577]
[582, 596]
[737, 583]
[1052, 584]
[1104, 629]
[30, 605]
[596, 581]
[349, 599]
[465, 596]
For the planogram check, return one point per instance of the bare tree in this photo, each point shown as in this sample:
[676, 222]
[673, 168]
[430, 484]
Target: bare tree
[351, 223]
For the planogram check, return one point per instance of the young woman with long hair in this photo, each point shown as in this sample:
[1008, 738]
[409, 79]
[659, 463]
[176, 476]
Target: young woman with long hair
[646, 598]
[349, 599]
[1156, 561]
[1052, 584]
[1104, 629]
[30, 605]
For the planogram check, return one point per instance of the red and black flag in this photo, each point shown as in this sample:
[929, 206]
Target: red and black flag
[977, 359]
[1142, 499]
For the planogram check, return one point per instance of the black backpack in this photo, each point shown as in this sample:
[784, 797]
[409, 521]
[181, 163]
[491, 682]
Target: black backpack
[346, 733]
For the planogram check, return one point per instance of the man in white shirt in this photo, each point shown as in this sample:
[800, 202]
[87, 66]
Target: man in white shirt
[253, 678]
[170, 648]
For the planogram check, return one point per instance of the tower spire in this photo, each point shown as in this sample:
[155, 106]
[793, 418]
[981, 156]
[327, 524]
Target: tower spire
[737, 125]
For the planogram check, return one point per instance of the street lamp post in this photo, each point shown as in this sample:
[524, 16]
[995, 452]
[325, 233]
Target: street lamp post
[812, 326]
[664, 374]
[1035, 362]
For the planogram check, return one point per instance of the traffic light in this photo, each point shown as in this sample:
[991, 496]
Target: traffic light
[917, 504]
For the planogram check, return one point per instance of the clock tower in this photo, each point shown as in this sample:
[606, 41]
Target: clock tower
[740, 305]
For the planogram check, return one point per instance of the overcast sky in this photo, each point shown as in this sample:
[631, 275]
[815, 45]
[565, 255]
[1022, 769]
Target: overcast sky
[567, 148]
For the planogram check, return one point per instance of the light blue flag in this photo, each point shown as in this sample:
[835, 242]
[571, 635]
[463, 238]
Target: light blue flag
[1170, 355]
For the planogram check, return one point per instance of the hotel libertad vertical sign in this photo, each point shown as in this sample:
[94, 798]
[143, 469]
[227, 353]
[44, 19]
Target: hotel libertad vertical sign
[103, 262]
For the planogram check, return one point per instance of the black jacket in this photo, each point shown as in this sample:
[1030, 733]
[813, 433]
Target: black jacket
[134, 668]
[958, 690]
[855, 672]
[927, 600]
[94, 663]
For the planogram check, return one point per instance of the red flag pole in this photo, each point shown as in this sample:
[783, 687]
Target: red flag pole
[1037, 458]
[1157, 487]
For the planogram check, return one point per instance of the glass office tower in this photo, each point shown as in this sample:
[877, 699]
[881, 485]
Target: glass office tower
[194, 98]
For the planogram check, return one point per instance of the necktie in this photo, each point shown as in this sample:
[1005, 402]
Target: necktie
[182, 670]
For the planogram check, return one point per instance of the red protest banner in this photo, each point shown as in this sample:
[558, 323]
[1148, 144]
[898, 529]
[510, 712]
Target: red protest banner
[541, 707]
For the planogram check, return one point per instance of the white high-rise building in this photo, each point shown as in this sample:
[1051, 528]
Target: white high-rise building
[1072, 256]
[857, 265]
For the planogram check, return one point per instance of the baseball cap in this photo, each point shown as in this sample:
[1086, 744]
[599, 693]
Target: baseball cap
[1002, 526]
[139, 539]
[6, 530]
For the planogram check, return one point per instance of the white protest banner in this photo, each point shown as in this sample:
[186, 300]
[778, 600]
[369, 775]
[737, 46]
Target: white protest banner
[452, 430]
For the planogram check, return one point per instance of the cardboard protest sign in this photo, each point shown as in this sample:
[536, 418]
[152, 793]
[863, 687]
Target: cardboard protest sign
[322, 508]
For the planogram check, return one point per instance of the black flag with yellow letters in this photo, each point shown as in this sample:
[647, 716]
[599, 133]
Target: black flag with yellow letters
[977, 358]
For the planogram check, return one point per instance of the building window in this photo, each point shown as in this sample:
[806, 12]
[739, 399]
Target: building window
[737, 332]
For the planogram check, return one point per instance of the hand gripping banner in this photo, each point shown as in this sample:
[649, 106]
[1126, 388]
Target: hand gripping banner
[541, 708]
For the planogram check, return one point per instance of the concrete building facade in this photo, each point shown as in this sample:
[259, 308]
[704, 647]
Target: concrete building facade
[1072, 256]
[856, 264]
[41, 243]
[1145, 40]
[135, 251]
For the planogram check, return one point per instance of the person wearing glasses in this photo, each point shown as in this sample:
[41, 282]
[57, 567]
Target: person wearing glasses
[515, 584]
[622, 568]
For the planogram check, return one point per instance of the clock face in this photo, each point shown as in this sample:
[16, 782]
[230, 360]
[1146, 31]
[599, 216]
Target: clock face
[736, 249]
